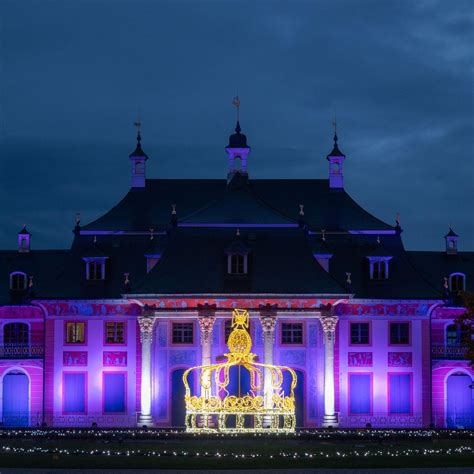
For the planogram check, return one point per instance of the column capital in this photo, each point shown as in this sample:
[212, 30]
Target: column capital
[206, 323]
[146, 324]
[268, 323]
[329, 323]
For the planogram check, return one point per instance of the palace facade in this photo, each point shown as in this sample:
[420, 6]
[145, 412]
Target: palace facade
[102, 332]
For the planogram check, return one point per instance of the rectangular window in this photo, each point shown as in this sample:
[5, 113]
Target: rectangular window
[183, 333]
[360, 333]
[237, 264]
[292, 333]
[75, 333]
[399, 333]
[114, 386]
[114, 332]
[399, 393]
[74, 392]
[95, 270]
[360, 394]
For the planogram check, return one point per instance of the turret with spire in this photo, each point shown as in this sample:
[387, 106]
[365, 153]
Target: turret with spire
[138, 159]
[451, 239]
[336, 160]
[237, 149]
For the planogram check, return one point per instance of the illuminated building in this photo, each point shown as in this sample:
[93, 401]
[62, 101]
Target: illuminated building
[103, 332]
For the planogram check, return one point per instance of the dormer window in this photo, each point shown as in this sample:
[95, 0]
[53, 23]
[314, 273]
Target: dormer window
[17, 281]
[379, 268]
[95, 268]
[237, 264]
[457, 282]
[151, 261]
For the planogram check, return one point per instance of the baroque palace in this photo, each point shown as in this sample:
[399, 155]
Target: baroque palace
[102, 333]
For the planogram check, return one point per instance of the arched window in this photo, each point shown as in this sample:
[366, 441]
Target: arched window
[457, 282]
[15, 333]
[17, 281]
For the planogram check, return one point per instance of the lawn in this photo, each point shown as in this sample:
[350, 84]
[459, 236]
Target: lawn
[308, 449]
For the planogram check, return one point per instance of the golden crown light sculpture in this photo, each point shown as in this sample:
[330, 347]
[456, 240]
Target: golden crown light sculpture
[216, 410]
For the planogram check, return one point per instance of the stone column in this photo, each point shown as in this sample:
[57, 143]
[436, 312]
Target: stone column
[206, 324]
[268, 322]
[329, 323]
[146, 337]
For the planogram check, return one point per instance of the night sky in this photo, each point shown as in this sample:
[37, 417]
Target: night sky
[399, 75]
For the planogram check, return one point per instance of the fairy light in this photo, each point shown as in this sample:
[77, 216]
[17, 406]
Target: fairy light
[265, 411]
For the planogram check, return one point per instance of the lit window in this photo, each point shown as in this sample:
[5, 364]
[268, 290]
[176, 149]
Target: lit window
[17, 281]
[114, 333]
[237, 264]
[183, 333]
[399, 333]
[15, 333]
[75, 333]
[292, 333]
[457, 282]
[359, 333]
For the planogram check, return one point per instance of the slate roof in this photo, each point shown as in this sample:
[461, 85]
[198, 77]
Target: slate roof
[280, 245]
[260, 201]
[434, 266]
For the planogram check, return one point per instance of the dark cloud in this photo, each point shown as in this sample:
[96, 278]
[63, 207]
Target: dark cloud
[399, 74]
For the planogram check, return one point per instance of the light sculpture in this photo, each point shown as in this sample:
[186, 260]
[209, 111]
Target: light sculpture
[216, 410]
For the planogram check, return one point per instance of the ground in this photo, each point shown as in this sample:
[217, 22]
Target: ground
[165, 449]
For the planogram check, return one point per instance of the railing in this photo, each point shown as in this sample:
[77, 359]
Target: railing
[449, 351]
[21, 351]
[381, 420]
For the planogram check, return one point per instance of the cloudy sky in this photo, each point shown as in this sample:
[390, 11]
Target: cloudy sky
[398, 73]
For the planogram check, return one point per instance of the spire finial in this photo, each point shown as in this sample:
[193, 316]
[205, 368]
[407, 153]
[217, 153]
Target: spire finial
[397, 220]
[138, 125]
[334, 124]
[236, 104]
[237, 233]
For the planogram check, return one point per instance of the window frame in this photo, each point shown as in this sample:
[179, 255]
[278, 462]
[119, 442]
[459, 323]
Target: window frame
[379, 261]
[25, 280]
[292, 343]
[371, 389]
[369, 334]
[66, 343]
[95, 261]
[124, 324]
[86, 381]
[125, 375]
[404, 344]
[389, 412]
[457, 275]
[187, 344]
[244, 257]
[12, 323]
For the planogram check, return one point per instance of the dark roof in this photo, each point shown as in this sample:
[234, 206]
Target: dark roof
[435, 266]
[24, 231]
[138, 150]
[237, 139]
[335, 150]
[279, 262]
[257, 201]
[451, 233]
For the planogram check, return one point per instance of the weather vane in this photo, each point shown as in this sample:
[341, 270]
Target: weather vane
[236, 104]
[138, 122]
[334, 123]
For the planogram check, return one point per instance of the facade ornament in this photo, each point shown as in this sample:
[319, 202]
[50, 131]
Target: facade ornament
[173, 209]
[348, 278]
[301, 210]
[323, 235]
[329, 324]
[146, 328]
[237, 233]
[378, 239]
[151, 233]
[206, 323]
[78, 219]
[397, 219]
[30, 282]
[95, 239]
